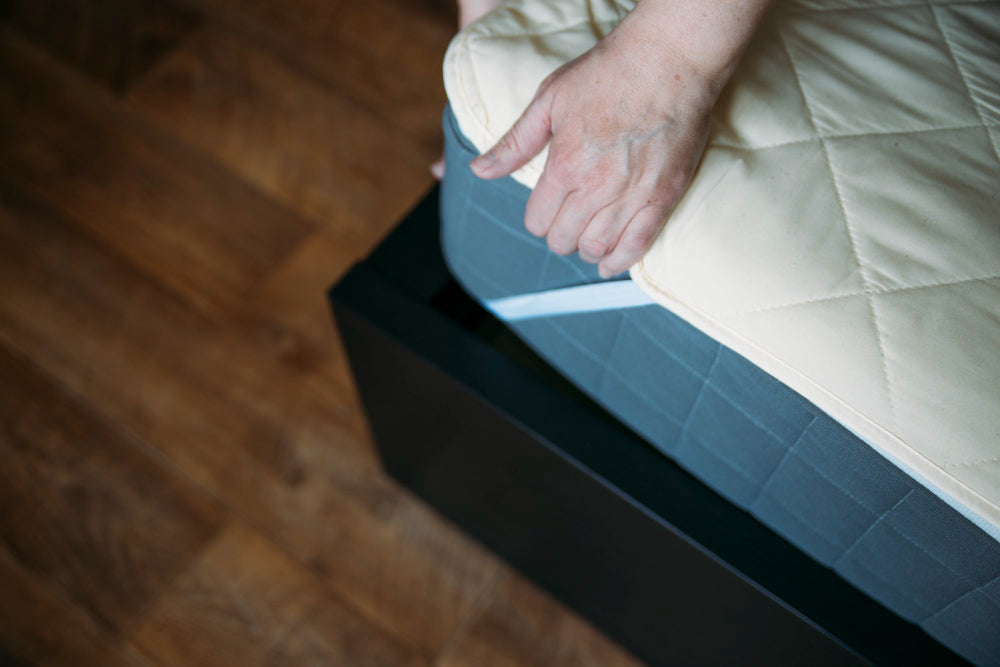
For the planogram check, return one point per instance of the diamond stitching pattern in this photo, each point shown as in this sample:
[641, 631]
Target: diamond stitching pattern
[853, 243]
[942, 38]
[882, 293]
[824, 135]
[976, 102]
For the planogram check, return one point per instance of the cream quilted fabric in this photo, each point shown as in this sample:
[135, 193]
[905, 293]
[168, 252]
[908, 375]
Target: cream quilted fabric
[843, 229]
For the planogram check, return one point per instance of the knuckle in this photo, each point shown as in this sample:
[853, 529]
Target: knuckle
[511, 141]
[611, 267]
[637, 241]
[562, 166]
[593, 247]
[559, 244]
[535, 226]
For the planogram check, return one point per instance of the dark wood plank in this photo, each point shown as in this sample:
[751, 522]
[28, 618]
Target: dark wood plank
[113, 41]
[190, 386]
[84, 508]
[287, 317]
[385, 54]
[247, 603]
[162, 263]
[520, 626]
[235, 421]
[193, 225]
[41, 627]
[299, 140]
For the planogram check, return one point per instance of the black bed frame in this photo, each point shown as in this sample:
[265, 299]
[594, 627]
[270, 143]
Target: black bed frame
[477, 425]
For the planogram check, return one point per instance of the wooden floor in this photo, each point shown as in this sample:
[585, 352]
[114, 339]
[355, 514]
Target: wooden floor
[187, 477]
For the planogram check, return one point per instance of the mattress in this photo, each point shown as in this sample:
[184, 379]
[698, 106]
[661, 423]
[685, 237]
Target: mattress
[841, 231]
[851, 401]
[747, 435]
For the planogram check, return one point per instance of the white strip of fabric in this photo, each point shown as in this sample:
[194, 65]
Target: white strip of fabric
[570, 300]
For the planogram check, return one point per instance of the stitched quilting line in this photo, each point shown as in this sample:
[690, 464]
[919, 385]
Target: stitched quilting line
[829, 479]
[800, 524]
[837, 10]
[922, 606]
[930, 555]
[701, 392]
[850, 236]
[590, 355]
[870, 292]
[670, 353]
[743, 411]
[969, 464]
[568, 27]
[942, 610]
[717, 455]
[497, 222]
[715, 143]
[611, 352]
[966, 635]
[501, 290]
[729, 399]
[788, 452]
[862, 536]
[963, 76]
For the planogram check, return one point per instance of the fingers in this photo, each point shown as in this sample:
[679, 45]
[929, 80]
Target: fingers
[544, 205]
[602, 233]
[522, 142]
[572, 218]
[638, 235]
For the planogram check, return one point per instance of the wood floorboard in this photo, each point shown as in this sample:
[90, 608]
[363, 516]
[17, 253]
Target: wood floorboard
[188, 477]
[385, 54]
[520, 626]
[246, 603]
[114, 42]
[306, 144]
[84, 508]
[248, 431]
[188, 221]
[41, 627]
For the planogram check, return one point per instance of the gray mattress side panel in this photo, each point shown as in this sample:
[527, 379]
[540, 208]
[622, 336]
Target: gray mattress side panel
[754, 440]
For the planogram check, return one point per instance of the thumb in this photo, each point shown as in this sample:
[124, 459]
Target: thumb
[523, 141]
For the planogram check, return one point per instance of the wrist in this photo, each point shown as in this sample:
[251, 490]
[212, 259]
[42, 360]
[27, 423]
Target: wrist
[696, 42]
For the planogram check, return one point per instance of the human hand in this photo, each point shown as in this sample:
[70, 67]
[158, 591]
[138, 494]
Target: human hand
[626, 124]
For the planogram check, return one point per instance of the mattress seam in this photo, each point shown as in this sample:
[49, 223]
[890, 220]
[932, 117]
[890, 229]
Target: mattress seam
[704, 376]
[971, 464]
[869, 8]
[697, 399]
[872, 292]
[788, 452]
[555, 31]
[669, 298]
[962, 75]
[879, 337]
[878, 520]
[715, 143]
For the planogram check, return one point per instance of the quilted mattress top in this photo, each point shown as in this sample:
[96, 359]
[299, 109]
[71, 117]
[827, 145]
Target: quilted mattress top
[843, 228]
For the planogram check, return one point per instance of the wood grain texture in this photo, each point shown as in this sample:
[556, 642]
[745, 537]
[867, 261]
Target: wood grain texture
[302, 141]
[188, 476]
[250, 431]
[113, 41]
[40, 625]
[386, 54]
[519, 626]
[187, 221]
[246, 603]
[85, 507]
